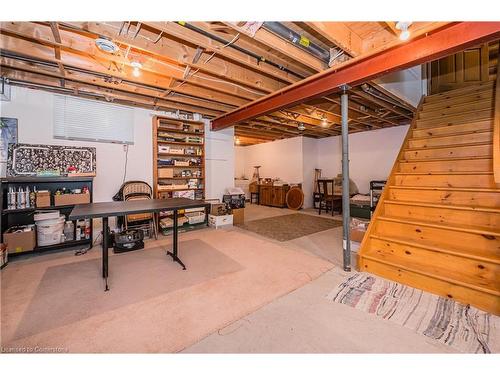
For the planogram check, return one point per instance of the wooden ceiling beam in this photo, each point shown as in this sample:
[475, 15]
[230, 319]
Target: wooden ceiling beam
[247, 42]
[76, 77]
[180, 32]
[275, 42]
[441, 42]
[248, 141]
[41, 52]
[79, 88]
[87, 49]
[381, 103]
[340, 35]
[182, 54]
[361, 110]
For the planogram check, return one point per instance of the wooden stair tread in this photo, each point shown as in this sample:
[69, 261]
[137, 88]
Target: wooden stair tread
[410, 266]
[454, 227]
[468, 173]
[445, 159]
[468, 112]
[481, 121]
[475, 190]
[464, 252]
[449, 146]
[472, 132]
[449, 107]
[428, 233]
[460, 92]
[445, 206]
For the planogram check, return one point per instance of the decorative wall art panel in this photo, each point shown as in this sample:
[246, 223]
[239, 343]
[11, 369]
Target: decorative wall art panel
[28, 160]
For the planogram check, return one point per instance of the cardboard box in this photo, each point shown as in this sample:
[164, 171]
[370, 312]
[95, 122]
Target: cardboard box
[220, 221]
[18, 242]
[357, 235]
[67, 199]
[4, 256]
[215, 208]
[238, 215]
[165, 172]
[43, 199]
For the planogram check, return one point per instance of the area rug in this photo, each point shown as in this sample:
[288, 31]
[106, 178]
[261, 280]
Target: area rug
[289, 227]
[459, 326]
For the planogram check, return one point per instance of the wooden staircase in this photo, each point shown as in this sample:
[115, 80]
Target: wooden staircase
[437, 224]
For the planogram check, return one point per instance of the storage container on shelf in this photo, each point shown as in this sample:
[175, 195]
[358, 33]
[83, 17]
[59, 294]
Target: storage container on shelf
[49, 227]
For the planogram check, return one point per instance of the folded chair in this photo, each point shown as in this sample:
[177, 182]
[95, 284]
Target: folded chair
[136, 190]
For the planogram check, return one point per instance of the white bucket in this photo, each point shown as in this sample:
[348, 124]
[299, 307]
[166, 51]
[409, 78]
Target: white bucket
[50, 232]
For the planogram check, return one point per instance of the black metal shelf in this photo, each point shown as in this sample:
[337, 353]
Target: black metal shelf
[38, 179]
[58, 246]
[33, 209]
[23, 216]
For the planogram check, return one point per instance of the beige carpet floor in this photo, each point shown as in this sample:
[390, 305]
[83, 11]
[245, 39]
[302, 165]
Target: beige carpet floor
[57, 301]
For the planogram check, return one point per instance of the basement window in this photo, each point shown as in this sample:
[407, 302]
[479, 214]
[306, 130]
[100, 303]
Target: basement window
[87, 120]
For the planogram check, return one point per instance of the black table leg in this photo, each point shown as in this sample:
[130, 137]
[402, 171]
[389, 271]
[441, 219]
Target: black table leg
[105, 241]
[173, 253]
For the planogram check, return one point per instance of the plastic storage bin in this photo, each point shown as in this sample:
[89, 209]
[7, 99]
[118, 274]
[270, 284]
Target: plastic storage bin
[49, 231]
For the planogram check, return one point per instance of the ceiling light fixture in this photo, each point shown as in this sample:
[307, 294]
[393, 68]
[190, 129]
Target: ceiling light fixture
[237, 140]
[324, 122]
[403, 26]
[106, 45]
[137, 66]
[301, 126]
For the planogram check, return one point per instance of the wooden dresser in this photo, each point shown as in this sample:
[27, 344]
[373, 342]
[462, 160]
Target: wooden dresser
[270, 195]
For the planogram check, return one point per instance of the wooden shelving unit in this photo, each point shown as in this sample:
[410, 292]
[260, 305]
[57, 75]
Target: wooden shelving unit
[181, 135]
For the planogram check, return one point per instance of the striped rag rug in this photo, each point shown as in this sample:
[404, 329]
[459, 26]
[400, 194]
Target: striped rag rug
[462, 327]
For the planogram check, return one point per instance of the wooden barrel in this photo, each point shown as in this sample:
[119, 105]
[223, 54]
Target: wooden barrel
[294, 198]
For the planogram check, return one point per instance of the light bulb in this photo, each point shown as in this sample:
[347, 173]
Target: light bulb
[324, 122]
[237, 141]
[137, 66]
[404, 35]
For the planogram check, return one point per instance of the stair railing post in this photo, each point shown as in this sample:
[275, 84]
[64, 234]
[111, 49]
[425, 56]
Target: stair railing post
[346, 214]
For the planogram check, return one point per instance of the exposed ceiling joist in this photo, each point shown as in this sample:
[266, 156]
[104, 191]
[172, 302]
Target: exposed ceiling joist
[175, 30]
[340, 35]
[269, 39]
[442, 42]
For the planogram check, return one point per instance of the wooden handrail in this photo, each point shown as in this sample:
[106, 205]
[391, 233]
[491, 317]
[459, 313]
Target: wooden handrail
[496, 126]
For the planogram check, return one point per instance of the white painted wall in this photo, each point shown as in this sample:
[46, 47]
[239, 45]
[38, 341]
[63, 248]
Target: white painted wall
[406, 84]
[293, 160]
[310, 161]
[371, 155]
[219, 161]
[281, 159]
[34, 111]
[239, 162]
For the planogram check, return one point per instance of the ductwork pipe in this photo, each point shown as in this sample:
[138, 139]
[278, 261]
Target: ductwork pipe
[238, 48]
[297, 39]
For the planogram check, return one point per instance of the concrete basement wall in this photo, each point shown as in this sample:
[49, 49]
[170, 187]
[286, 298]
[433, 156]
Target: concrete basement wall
[371, 155]
[281, 159]
[34, 111]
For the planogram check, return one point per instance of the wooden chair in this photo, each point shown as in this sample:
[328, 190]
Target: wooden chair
[136, 190]
[254, 192]
[326, 197]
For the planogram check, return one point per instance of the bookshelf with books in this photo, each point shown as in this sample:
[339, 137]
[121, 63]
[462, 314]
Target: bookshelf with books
[178, 164]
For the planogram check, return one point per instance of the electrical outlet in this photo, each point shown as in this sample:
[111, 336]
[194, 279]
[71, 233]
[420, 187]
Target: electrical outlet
[125, 148]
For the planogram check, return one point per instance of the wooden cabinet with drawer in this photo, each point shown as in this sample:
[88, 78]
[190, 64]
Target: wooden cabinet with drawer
[273, 195]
